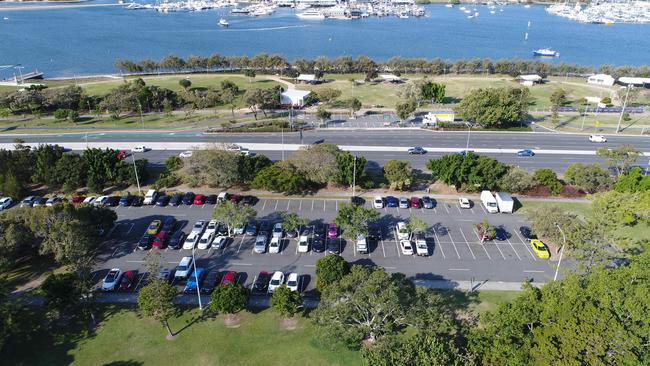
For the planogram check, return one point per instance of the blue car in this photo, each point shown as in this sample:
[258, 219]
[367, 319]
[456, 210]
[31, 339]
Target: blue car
[391, 201]
[190, 285]
[525, 152]
[125, 200]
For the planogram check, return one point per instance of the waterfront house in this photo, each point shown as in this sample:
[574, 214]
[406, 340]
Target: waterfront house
[601, 79]
[293, 98]
[530, 80]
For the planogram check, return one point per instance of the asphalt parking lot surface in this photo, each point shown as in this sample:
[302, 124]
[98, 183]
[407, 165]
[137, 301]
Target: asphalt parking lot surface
[455, 253]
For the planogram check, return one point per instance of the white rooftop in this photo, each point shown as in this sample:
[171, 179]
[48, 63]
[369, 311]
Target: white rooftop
[533, 77]
[390, 77]
[295, 93]
[635, 81]
[306, 77]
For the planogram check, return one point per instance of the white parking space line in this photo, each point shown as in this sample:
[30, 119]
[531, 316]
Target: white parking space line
[434, 210]
[137, 262]
[459, 211]
[115, 251]
[459, 269]
[336, 203]
[468, 247]
[483, 208]
[140, 280]
[300, 205]
[445, 205]
[276, 205]
[513, 248]
[439, 245]
[523, 242]
[324, 204]
[239, 264]
[264, 205]
[382, 246]
[241, 242]
[312, 205]
[130, 228]
[497, 245]
[534, 271]
[309, 265]
[288, 204]
[472, 209]
[453, 243]
[397, 244]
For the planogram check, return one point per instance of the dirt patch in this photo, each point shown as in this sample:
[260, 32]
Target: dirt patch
[539, 191]
[572, 192]
[442, 188]
[232, 320]
[289, 323]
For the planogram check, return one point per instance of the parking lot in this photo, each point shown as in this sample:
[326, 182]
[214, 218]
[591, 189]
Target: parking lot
[455, 253]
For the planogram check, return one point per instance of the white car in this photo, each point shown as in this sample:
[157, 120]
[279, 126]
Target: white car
[303, 244]
[150, 197]
[184, 268]
[464, 202]
[90, 200]
[274, 245]
[191, 241]
[219, 242]
[362, 244]
[597, 138]
[52, 201]
[277, 230]
[206, 240]
[198, 227]
[139, 149]
[276, 281]
[237, 148]
[402, 231]
[239, 229]
[406, 247]
[186, 154]
[6, 202]
[213, 225]
[378, 202]
[222, 197]
[28, 201]
[260, 244]
[101, 201]
[112, 279]
[292, 281]
[421, 247]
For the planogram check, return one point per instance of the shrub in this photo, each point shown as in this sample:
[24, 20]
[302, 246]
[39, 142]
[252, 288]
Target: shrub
[173, 163]
[548, 178]
[61, 114]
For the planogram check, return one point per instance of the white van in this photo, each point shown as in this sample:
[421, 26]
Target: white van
[222, 197]
[489, 202]
[150, 197]
[505, 202]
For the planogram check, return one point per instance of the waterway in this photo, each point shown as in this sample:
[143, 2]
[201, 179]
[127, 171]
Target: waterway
[87, 40]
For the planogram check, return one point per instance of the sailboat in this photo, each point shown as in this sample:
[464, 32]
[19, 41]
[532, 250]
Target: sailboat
[223, 23]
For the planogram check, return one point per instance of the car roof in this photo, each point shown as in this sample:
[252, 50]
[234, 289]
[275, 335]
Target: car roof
[185, 260]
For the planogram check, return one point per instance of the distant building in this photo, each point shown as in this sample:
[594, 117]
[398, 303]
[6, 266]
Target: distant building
[391, 78]
[601, 79]
[294, 98]
[625, 80]
[307, 78]
[530, 80]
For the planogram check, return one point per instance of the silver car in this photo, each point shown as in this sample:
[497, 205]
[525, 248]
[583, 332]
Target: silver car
[260, 243]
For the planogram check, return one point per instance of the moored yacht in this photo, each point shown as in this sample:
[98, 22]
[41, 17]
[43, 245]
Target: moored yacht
[311, 15]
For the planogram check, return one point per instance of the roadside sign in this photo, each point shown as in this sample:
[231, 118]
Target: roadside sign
[597, 124]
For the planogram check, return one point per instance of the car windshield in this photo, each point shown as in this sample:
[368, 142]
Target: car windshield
[292, 283]
[182, 268]
[198, 225]
[275, 282]
[403, 229]
[111, 276]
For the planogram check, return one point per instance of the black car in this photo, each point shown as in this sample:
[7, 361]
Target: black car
[165, 274]
[317, 244]
[265, 226]
[222, 230]
[188, 198]
[357, 201]
[526, 232]
[137, 201]
[374, 232]
[126, 200]
[251, 228]
[145, 242]
[168, 223]
[262, 282]
[427, 202]
[333, 246]
[176, 241]
[209, 283]
[176, 199]
[249, 200]
[319, 231]
[211, 199]
[292, 233]
[162, 200]
[500, 234]
[39, 201]
[113, 201]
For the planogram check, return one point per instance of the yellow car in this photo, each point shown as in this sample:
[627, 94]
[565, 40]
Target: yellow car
[153, 227]
[540, 248]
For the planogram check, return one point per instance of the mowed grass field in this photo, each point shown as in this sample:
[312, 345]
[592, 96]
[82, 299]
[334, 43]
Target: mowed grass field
[125, 338]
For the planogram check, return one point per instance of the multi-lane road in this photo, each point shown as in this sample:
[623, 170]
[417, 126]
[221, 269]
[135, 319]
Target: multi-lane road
[553, 150]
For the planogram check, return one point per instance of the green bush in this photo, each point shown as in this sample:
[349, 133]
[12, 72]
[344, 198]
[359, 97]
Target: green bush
[173, 163]
[61, 114]
[167, 180]
[548, 178]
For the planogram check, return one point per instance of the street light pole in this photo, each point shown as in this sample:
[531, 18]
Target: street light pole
[620, 117]
[20, 71]
[135, 169]
[469, 131]
[196, 278]
[141, 118]
[354, 176]
[557, 269]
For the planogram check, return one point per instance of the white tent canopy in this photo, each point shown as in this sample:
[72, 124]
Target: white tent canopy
[390, 77]
[293, 97]
[306, 77]
[534, 78]
[634, 81]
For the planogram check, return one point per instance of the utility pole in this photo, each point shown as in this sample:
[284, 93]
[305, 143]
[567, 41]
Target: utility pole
[135, 169]
[141, 118]
[584, 116]
[196, 278]
[620, 117]
[469, 131]
[557, 269]
[354, 176]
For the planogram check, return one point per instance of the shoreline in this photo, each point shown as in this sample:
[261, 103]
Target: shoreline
[53, 6]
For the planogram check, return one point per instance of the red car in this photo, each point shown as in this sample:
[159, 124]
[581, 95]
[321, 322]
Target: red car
[122, 154]
[416, 202]
[78, 199]
[229, 277]
[199, 199]
[332, 231]
[235, 198]
[160, 241]
[128, 280]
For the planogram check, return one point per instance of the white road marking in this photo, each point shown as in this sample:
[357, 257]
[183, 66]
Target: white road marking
[309, 265]
[264, 205]
[300, 205]
[439, 244]
[241, 242]
[445, 206]
[483, 208]
[336, 203]
[130, 228]
[533, 271]
[312, 205]
[513, 248]
[497, 245]
[459, 211]
[324, 204]
[276, 205]
[137, 262]
[240, 264]
[526, 246]
[468, 247]
[459, 269]
[288, 204]
[382, 245]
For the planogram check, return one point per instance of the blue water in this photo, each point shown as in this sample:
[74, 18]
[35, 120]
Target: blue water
[86, 41]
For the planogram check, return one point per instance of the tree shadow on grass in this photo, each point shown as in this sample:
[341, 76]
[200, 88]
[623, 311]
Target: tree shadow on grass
[124, 363]
[206, 314]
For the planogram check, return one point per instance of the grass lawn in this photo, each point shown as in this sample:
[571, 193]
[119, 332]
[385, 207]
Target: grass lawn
[29, 273]
[607, 123]
[582, 209]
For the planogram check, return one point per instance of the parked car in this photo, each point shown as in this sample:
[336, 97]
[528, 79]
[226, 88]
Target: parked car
[402, 231]
[464, 202]
[27, 202]
[212, 226]
[234, 198]
[276, 281]
[128, 280]
[317, 244]
[275, 244]
[52, 201]
[125, 200]
[211, 199]
[416, 202]
[194, 280]
[427, 202]
[199, 199]
[378, 202]
[417, 150]
[176, 199]
[188, 198]
[165, 274]
[184, 267]
[238, 229]
[540, 249]
[176, 240]
[112, 279]
[249, 200]
[39, 201]
[374, 232]
[597, 138]
[191, 241]
[139, 149]
[293, 281]
[160, 241]
[222, 196]
[209, 283]
[206, 240]
[391, 201]
[357, 201]
[333, 246]
[163, 200]
[251, 228]
[154, 227]
[266, 226]
[332, 231]
[185, 154]
[421, 246]
[145, 241]
[406, 247]
[404, 202]
[137, 201]
[525, 152]
[150, 197]
[169, 223]
[527, 232]
[303, 244]
[88, 200]
[319, 230]
[6, 202]
[261, 282]
[278, 232]
[199, 226]
[500, 234]
[101, 201]
[77, 200]
[229, 277]
[219, 242]
[362, 244]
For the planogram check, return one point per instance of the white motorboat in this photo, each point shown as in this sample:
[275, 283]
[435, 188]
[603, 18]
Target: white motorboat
[311, 15]
[546, 52]
[223, 23]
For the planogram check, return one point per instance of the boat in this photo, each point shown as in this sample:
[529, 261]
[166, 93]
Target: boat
[449, 5]
[239, 11]
[546, 52]
[223, 23]
[311, 15]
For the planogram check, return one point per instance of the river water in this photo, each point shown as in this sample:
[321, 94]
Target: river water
[80, 41]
